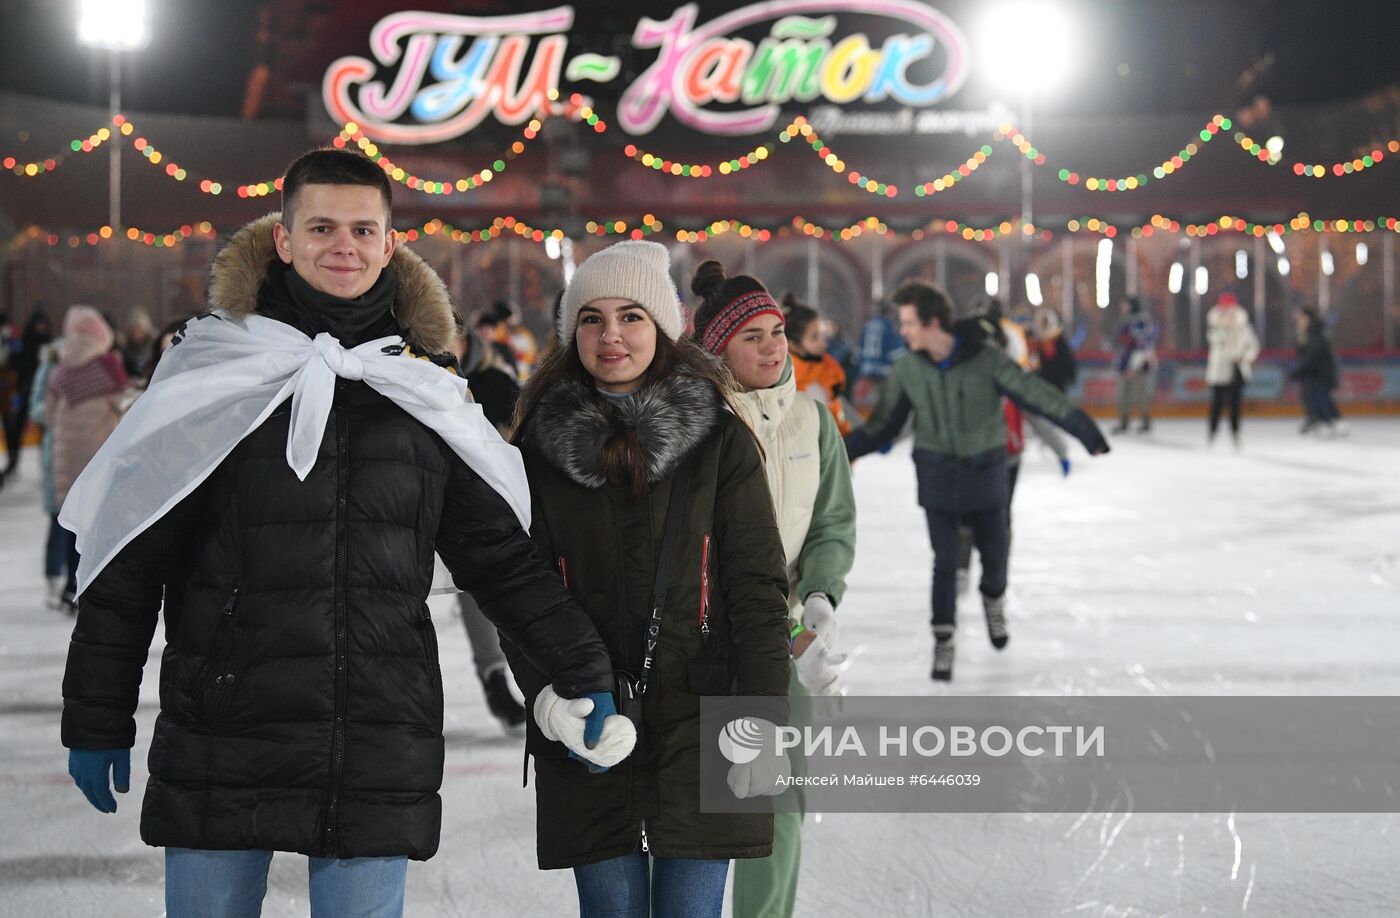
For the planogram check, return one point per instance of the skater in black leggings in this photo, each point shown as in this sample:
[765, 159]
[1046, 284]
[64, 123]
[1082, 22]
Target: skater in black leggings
[1219, 396]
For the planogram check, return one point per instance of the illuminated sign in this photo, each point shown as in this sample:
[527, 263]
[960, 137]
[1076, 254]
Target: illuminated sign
[452, 72]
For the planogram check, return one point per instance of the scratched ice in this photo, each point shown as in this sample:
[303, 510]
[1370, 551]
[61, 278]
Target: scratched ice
[1161, 569]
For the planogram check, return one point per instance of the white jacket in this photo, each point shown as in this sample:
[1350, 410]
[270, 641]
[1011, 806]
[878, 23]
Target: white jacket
[787, 424]
[809, 479]
[1232, 343]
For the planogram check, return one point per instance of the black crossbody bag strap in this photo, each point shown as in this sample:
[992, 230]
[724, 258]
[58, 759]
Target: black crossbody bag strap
[675, 509]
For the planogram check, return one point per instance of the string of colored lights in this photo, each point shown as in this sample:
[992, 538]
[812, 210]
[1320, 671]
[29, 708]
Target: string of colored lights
[1317, 170]
[720, 227]
[80, 145]
[980, 234]
[1126, 183]
[698, 170]
[846, 233]
[351, 132]
[801, 127]
[928, 189]
[649, 224]
[509, 225]
[104, 234]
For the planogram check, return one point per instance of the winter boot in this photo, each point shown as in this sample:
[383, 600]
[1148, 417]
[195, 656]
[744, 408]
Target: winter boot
[1146, 426]
[500, 700]
[996, 620]
[942, 658]
[1121, 426]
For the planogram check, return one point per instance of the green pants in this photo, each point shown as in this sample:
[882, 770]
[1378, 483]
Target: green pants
[766, 887]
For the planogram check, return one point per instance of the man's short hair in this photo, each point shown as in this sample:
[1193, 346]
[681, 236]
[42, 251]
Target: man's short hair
[928, 301]
[332, 167]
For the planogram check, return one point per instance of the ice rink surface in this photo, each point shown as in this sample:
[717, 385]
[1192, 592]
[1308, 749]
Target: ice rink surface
[1165, 568]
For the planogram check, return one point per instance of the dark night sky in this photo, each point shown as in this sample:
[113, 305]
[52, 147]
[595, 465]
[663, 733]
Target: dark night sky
[1142, 56]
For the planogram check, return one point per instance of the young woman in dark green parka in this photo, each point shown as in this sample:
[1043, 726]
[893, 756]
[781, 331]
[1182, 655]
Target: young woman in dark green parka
[604, 425]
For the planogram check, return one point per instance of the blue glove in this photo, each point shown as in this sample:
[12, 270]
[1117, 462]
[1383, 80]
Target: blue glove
[603, 707]
[90, 770]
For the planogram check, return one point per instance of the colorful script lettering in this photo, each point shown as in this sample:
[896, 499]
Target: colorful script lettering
[447, 89]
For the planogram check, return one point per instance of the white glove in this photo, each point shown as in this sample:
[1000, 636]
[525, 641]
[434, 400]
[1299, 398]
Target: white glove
[562, 720]
[819, 617]
[817, 669]
[764, 770]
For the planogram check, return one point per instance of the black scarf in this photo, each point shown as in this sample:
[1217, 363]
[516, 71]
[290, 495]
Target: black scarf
[287, 297]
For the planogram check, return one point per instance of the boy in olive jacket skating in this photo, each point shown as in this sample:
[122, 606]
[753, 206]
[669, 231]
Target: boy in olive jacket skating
[952, 381]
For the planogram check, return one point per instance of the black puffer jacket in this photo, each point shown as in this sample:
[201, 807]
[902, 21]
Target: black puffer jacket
[729, 572]
[1316, 364]
[300, 693]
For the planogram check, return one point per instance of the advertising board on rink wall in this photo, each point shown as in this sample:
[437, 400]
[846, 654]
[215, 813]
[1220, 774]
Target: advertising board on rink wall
[1181, 380]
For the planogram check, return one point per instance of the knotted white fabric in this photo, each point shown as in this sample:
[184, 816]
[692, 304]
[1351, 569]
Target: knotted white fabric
[219, 382]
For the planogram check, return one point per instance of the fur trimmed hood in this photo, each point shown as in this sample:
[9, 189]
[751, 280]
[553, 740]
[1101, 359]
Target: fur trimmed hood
[672, 418]
[422, 306]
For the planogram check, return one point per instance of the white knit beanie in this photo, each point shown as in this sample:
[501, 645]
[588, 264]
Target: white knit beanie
[634, 270]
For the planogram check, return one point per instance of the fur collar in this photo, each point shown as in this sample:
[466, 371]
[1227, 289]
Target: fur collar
[422, 306]
[671, 417]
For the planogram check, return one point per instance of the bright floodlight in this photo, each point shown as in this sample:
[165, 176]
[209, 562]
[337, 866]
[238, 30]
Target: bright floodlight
[117, 25]
[1029, 45]
[1033, 294]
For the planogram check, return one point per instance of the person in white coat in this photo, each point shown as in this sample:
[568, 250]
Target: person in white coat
[809, 478]
[1233, 349]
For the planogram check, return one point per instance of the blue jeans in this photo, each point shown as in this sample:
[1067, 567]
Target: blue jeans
[59, 550]
[231, 884]
[636, 886]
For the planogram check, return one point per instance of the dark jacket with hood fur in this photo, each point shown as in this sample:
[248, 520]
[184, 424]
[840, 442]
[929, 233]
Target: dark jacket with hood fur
[723, 628]
[300, 692]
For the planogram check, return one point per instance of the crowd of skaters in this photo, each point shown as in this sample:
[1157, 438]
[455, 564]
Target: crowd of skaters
[639, 407]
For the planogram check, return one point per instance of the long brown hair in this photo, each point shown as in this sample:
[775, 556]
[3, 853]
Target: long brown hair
[624, 463]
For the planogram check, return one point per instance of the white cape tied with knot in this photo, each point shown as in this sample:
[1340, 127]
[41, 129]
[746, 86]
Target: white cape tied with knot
[220, 382]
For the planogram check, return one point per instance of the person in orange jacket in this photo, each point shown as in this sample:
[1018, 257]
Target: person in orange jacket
[815, 371]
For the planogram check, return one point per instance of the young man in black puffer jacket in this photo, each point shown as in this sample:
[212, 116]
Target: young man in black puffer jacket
[300, 689]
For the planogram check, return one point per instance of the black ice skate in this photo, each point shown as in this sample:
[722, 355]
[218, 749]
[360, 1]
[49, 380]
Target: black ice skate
[500, 700]
[996, 620]
[942, 659]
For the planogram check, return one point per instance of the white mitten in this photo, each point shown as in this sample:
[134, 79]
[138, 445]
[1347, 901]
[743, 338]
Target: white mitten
[818, 669]
[759, 769]
[819, 617]
[562, 720]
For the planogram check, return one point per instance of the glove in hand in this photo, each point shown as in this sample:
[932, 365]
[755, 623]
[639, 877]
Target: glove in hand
[97, 771]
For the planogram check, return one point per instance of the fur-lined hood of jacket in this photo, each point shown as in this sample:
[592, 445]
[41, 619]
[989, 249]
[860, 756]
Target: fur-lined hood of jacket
[672, 417]
[422, 306]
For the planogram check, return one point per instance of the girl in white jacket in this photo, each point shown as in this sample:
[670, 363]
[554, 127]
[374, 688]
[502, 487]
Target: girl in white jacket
[809, 478]
[1233, 349]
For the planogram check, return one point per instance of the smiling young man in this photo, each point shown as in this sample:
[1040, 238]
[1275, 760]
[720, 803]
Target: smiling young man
[952, 380]
[281, 488]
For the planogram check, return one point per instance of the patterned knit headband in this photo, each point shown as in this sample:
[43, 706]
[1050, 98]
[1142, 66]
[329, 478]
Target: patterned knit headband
[736, 315]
